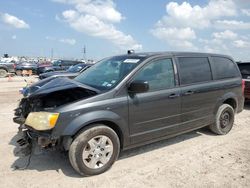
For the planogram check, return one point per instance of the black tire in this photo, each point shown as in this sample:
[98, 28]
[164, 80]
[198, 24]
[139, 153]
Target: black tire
[3, 73]
[80, 143]
[224, 120]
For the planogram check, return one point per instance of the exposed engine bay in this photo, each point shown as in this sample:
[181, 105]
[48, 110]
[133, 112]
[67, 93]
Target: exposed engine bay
[49, 94]
[51, 100]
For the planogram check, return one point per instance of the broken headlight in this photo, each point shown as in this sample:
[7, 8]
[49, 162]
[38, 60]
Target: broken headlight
[42, 120]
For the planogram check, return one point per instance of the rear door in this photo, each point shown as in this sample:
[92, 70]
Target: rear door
[155, 113]
[198, 94]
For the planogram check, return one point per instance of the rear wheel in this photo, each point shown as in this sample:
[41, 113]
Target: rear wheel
[94, 150]
[224, 120]
[3, 73]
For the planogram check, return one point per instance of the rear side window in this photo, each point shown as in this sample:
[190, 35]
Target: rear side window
[224, 68]
[194, 70]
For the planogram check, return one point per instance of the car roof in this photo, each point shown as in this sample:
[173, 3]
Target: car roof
[173, 53]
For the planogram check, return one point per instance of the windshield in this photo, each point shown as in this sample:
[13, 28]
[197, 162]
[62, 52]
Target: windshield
[107, 73]
[76, 68]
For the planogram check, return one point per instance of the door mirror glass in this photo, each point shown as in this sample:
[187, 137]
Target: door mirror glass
[138, 86]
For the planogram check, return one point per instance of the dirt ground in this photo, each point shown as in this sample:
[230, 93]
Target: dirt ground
[195, 159]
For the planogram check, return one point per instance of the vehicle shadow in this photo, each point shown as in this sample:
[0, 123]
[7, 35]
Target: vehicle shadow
[164, 143]
[44, 161]
[58, 161]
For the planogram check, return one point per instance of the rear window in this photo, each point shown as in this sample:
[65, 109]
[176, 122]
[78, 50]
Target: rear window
[194, 70]
[244, 69]
[224, 68]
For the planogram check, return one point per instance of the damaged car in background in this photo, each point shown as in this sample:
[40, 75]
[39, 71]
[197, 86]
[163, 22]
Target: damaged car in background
[126, 101]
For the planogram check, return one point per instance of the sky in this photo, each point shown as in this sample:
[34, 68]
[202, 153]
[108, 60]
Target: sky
[108, 27]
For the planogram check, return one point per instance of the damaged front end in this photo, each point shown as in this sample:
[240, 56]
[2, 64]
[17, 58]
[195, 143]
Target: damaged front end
[37, 115]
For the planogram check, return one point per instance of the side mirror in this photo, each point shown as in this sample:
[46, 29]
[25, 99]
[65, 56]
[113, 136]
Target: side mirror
[138, 86]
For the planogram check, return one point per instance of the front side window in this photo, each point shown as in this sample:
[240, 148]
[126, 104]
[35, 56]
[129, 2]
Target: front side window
[194, 70]
[107, 73]
[159, 74]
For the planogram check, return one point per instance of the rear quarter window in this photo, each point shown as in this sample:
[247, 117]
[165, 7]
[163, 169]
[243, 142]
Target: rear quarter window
[194, 70]
[224, 68]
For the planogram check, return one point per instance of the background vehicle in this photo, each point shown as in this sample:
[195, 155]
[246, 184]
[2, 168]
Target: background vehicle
[245, 72]
[28, 66]
[43, 67]
[130, 100]
[59, 65]
[72, 72]
[6, 68]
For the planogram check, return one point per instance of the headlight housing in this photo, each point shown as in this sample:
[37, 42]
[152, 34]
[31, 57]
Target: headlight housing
[42, 120]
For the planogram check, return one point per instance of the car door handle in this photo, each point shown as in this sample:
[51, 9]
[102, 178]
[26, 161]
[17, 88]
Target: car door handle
[173, 95]
[189, 93]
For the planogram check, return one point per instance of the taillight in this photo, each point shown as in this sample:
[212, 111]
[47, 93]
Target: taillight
[243, 86]
[14, 66]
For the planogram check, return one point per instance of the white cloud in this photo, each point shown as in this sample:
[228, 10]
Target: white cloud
[13, 21]
[97, 18]
[174, 33]
[232, 24]
[104, 10]
[179, 38]
[227, 34]
[186, 15]
[68, 41]
[241, 44]
[178, 27]
[246, 12]
[13, 37]
[95, 27]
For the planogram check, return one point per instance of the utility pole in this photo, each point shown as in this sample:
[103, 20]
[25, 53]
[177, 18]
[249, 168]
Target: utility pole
[84, 53]
[51, 53]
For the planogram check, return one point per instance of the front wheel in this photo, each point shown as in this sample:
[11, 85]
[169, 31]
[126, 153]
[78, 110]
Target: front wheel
[94, 150]
[224, 120]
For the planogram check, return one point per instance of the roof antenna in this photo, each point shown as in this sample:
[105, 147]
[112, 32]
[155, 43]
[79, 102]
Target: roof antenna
[131, 51]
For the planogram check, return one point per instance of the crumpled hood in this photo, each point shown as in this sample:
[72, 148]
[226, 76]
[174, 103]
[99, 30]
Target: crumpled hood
[50, 85]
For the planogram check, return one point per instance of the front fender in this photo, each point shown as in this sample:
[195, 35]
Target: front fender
[79, 121]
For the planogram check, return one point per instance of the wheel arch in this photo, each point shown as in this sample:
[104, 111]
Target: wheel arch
[107, 123]
[86, 121]
[230, 99]
[4, 68]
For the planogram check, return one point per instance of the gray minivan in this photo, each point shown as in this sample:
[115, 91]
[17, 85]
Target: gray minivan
[129, 100]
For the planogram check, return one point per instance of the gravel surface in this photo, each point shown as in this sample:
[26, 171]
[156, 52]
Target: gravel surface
[195, 159]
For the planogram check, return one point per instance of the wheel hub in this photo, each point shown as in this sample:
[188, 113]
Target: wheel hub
[97, 152]
[225, 119]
